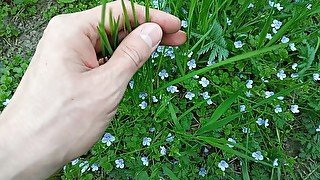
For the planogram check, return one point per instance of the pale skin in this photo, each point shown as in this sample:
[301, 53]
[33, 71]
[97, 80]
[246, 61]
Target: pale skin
[66, 100]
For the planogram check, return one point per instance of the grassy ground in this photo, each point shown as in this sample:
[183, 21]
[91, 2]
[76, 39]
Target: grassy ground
[248, 76]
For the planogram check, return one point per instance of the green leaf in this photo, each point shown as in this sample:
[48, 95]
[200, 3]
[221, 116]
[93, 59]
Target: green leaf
[142, 176]
[174, 117]
[126, 17]
[169, 173]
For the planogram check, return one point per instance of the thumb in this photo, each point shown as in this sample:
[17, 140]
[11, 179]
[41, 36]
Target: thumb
[134, 51]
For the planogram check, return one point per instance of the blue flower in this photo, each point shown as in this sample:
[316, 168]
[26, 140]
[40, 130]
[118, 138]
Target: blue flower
[318, 129]
[316, 77]
[309, 6]
[269, 36]
[257, 156]
[202, 172]
[238, 44]
[249, 94]
[154, 55]
[160, 49]
[108, 139]
[229, 21]
[143, 105]
[245, 130]
[163, 151]
[209, 102]
[275, 163]
[119, 163]
[232, 142]
[281, 75]
[170, 138]
[205, 95]
[204, 82]
[276, 24]
[163, 74]
[285, 40]
[292, 47]
[145, 161]
[74, 162]
[172, 89]
[223, 165]
[143, 95]
[94, 167]
[278, 109]
[294, 109]
[152, 129]
[242, 108]
[154, 99]
[294, 75]
[184, 23]
[6, 102]
[131, 84]
[84, 166]
[146, 141]
[192, 64]
[169, 52]
[268, 94]
[251, 5]
[249, 84]
[261, 122]
[278, 6]
[190, 95]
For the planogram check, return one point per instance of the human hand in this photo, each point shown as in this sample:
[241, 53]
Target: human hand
[65, 99]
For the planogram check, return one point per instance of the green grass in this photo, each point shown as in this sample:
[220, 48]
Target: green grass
[195, 125]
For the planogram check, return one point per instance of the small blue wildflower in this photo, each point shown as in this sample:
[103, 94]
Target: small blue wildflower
[268, 94]
[154, 55]
[251, 5]
[316, 77]
[119, 163]
[281, 74]
[211, 62]
[202, 172]
[84, 166]
[275, 163]
[278, 6]
[294, 109]
[131, 84]
[249, 84]
[163, 151]
[108, 139]
[278, 109]
[232, 142]
[309, 6]
[276, 24]
[154, 99]
[190, 95]
[264, 80]
[184, 23]
[145, 161]
[146, 141]
[285, 40]
[269, 36]
[271, 3]
[192, 64]
[6, 102]
[280, 98]
[169, 52]
[205, 95]
[152, 129]
[160, 49]
[170, 138]
[94, 167]
[229, 21]
[204, 82]
[249, 94]
[209, 102]
[172, 89]
[257, 156]
[318, 129]
[292, 47]
[245, 130]
[294, 75]
[143, 95]
[238, 44]
[223, 165]
[163, 74]
[74, 162]
[242, 108]
[143, 105]
[294, 66]
[261, 122]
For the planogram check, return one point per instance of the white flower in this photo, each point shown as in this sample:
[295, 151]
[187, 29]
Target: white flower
[6, 102]
[238, 44]
[145, 161]
[160, 49]
[257, 156]
[292, 46]
[280, 98]
[108, 139]
[192, 64]
[229, 21]
[196, 77]
[242, 108]
[163, 151]
[146, 141]
[278, 6]
[190, 54]
[154, 99]
[232, 141]
[172, 89]
[189, 95]
[251, 5]
[276, 24]
[119, 163]
[74, 162]
[205, 95]
[245, 130]
[264, 80]
[281, 74]
[269, 36]
[269, 94]
[294, 66]
[266, 123]
[309, 6]
[249, 84]
[155, 4]
[152, 129]
[223, 165]
[169, 52]
[94, 167]
[84, 166]
[285, 39]
[274, 30]
[143, 105]
[209, 102]
[184, 23]
[316, 77]
[202, 172]
[170, 138]
[131, 84]
[261, 122]
[294, 109]
[275, 163]
[278, 109]
[163, 74]
[154, 55]
[204, 82]
[318, 129]
[143, 95]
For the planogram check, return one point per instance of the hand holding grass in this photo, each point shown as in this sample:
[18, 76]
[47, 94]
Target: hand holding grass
[65, 100]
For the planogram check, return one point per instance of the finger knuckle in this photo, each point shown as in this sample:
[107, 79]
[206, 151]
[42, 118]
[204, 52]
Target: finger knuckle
[132, 54]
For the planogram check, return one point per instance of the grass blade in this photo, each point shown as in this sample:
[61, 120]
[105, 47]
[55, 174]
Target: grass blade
[148, 11]
[222, 63]
[105, 44]
[126, 17]
[169, 173]
[191, 109]
[223, 108]
[134, 12]
[174, 117]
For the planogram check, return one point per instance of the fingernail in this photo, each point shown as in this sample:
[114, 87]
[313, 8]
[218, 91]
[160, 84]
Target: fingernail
[151, 33]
